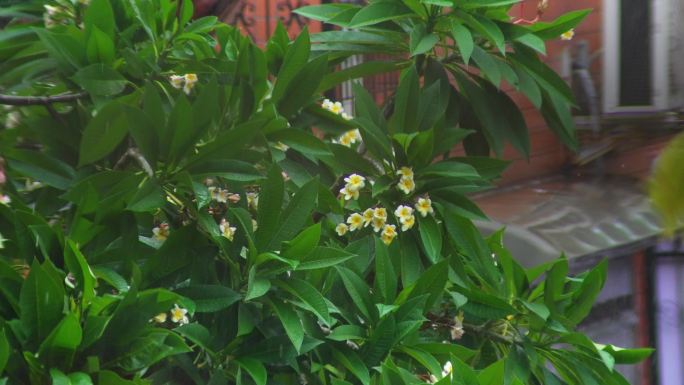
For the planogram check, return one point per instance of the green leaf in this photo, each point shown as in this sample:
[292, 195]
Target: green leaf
[303, 243]
[308, 294]
[322, 257]
[378, 12]
[583, 298]
[450, 168]
[365, 107]
[291, 322]
[385, 275]
[486, 28]
[562, 24]
[367, 68]
[256, 286]
[210, 298]
[303, 86]
[405, 117]
[302, 141]
[422, 42]
[270, 207]
[350, 360]
[100, 48]
[196, 333]
[5, 350]
[464, 39]
[100, 80]
[233, 170]
[295, 215]
[431, 282]
[41, 301]
[431, 237]
[359, 292]
[99, 14]
[296, 57]
[627, 356]
[103, 133]
[149, 197]
[60, 346]
[255, 369]
[323, 12]
[347, 332]
[41, 167]
[202, 25]
[78, 266]
[487, 65]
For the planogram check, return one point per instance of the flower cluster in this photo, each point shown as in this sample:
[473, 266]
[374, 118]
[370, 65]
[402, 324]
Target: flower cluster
[406, 183]
[568, 35]
[335, 107]
[354, 183]
[252, 200]
[222, 196]
[405, 216]
[226, 230]
[186, 82]
[178, 315]
[348, 138]
[447, 370]
[161, 232]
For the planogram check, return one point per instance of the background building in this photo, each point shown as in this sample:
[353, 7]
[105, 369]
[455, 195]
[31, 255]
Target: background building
[626, 67]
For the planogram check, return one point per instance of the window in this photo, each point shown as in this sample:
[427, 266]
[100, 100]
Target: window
[636, 67]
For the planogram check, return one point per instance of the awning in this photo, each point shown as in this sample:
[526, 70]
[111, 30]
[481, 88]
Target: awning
[580, 217]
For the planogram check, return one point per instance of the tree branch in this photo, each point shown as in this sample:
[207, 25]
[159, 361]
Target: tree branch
[13, 100]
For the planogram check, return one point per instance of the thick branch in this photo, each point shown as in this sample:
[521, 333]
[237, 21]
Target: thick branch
[13, 100]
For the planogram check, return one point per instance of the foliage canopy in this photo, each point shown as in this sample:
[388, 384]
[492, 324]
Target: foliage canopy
[192, 212]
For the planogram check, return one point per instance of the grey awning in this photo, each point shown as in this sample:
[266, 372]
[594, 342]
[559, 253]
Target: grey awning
[579, 217]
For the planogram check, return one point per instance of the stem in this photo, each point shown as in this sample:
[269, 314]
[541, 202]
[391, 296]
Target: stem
[12, 100]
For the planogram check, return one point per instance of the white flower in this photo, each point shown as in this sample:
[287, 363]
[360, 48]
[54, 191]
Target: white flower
[406, 172]
[190, 80]
[177, 81]
[408, 223]
[282, 146]
[349, 194]
[32, 185]
[448, 369]
[179, 315]
[378, 223]
[337, 108]
[161, 232]
[568, 35]
[346, 116]
[226, 230]
[355, 221]
[222, 195]
[252, 200]
[380, 213]
[327, 104]
[424, 206]
[403, 213]
[5, 199]
[368, 217]
[355, 182]
[52, 10]
[388, 234]
[159, 318]
[341, 229]
[406, 185]
[457, 328]
[13, 119]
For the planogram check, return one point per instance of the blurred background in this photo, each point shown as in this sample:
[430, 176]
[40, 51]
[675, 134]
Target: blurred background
[625, 64]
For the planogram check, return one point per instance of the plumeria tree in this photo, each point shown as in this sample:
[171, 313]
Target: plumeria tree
[180, 206]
